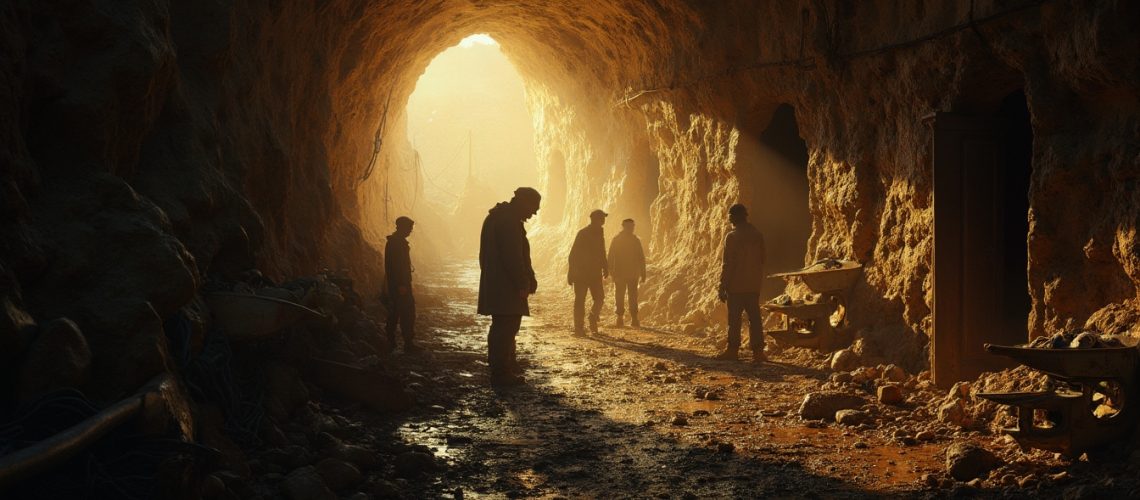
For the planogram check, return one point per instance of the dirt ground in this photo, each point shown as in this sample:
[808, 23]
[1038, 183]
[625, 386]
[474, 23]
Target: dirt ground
[641, 414]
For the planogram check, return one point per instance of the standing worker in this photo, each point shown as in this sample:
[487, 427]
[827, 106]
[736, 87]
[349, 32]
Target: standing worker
[627, 267]
[506, 279]
[398, 272]
[587, 270]
[740, 280]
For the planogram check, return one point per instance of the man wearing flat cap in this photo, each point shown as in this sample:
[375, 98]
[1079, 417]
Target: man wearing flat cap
[588, 268]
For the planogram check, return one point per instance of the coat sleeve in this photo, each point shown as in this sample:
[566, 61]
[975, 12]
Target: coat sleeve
[729, 259]
[515, 257]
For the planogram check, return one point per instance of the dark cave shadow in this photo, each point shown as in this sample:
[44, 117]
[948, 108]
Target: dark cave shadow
[768, 371]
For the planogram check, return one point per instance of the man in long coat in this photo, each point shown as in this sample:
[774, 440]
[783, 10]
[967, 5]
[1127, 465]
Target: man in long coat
[740, 280]
[588, 268]
[506, 279]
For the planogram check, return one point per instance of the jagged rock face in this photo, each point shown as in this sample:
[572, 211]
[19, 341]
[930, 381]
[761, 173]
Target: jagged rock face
[160, 143]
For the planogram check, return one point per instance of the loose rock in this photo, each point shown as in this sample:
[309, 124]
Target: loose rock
[851, 417]
[823, 405]
[966, 461]
[890, 394]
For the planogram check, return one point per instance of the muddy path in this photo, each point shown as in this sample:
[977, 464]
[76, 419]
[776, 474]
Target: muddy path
[626, 413]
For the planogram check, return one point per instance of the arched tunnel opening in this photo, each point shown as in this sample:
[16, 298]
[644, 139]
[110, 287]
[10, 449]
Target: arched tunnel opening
[468, 119]
[208, 287]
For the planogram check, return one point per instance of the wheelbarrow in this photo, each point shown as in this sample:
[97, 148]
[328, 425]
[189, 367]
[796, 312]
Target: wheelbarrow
[1084, 383]
[816, 324]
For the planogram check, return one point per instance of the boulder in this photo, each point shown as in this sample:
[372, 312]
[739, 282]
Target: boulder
[844, 360]
[953, 412]
[966, 461]
[823, 405]
[890, 394]
[894, 373]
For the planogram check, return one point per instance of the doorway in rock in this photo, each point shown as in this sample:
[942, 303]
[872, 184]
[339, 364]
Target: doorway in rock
[772, 159]
[468, 120]
[982, 168]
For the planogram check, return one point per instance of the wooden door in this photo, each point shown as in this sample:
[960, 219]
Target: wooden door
[968, 166]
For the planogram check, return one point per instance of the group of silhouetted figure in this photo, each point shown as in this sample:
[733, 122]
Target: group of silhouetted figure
[507, 280]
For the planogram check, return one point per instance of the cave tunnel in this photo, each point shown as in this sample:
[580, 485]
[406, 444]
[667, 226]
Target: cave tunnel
[208, 289]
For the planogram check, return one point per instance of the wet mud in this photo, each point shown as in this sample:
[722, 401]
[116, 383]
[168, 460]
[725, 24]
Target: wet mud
[625, 413]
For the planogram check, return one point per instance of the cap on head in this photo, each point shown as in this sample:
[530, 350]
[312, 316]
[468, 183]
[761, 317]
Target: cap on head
[627, 222]
[403, 221]
[598, 214]
[528, 194]
[738, 210]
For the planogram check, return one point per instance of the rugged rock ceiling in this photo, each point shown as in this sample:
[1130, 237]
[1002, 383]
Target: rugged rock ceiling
[149, 145]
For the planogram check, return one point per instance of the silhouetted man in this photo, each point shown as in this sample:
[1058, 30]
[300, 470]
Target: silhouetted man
[506, 279]
[627, 268]
[740, 281]
[587, 270]
[398, 269]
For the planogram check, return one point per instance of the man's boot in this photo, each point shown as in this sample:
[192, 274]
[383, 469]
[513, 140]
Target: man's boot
[727, 355]
[633, 317]
[506, 379]
[594, 325]
[759, 357]
[620, 321]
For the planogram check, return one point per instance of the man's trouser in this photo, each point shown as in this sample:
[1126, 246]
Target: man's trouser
[580, 289]
[501, 343]
[620, 287]
[403, 315]
[745, 303]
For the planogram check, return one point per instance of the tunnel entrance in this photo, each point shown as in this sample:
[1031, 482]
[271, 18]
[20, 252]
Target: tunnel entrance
[468, 120]
[982, 168]
[773, 159]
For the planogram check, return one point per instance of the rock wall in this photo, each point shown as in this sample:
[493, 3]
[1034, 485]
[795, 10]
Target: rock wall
[156, 144]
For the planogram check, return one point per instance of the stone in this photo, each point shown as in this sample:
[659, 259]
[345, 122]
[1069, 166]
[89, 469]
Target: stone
[959, 390]
[930, 480]
[894, 373]
[844, 360]
[338, 474]
[725, 447]
[925, 435]
[1027, 481]
[680, 420]
[966, 461]
[864, 374]
[413, 464]
[305, 484]
[841, 378]
[851, 417]
[953, 413]
[890, 394]
[823, 405]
